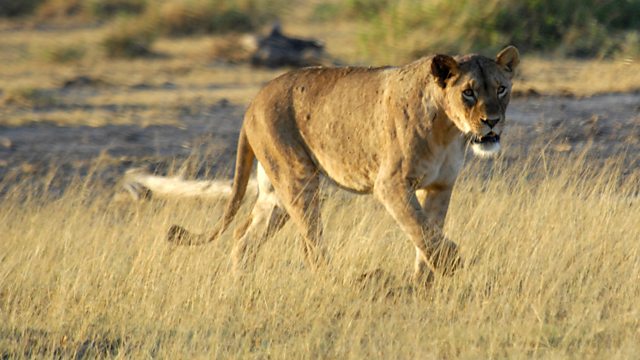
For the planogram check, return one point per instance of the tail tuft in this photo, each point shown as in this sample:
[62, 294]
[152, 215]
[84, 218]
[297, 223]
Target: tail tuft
[181, 236]
[244, 163]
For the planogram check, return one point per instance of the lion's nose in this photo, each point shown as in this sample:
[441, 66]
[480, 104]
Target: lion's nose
[491, 122]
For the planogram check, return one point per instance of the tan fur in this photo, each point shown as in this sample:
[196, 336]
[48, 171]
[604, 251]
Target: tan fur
[398, 133]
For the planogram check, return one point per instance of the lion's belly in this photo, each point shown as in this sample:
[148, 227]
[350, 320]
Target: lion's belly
[349, 160]
[355, 177]
[346, 150]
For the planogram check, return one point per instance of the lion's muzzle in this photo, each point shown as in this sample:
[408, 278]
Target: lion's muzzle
[485, 145]
[489, 138]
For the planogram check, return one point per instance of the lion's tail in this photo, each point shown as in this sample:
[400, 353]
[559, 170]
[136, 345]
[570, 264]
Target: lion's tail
[244, 164]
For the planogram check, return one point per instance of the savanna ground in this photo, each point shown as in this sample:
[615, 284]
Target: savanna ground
[549, 230]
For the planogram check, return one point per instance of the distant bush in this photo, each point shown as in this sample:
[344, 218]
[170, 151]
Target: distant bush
[29, 98]
[53, 9]
[365, 9]
[325, 12]
[630, 45]
[65, 54]
[578, 27]
[89, 9]
[167, 17]
[109, 8]
[129, 38]
[183, 17]
[12, 8]
[408, 28]
[134, 37]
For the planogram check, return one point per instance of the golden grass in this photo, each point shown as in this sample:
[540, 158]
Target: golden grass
[578, 77]
[551, 246]
[553, 262]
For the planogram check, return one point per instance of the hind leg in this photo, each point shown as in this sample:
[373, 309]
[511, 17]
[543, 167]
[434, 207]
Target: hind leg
[279, 147]
[297, 185]
[267, 217]
[305, 211]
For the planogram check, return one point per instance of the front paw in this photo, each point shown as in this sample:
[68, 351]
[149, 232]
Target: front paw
[446, 257]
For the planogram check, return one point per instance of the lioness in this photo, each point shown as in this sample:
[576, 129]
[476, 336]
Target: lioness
[398, 133]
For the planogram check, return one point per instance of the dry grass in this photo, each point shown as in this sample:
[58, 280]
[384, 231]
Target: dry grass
[553, 264]
[578, 77]
[553, 260]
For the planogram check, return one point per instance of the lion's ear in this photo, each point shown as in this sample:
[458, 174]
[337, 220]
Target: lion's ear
[508, 58]
[443, 67]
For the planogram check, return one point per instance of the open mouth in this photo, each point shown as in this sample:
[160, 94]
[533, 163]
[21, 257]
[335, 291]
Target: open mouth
[490, 138]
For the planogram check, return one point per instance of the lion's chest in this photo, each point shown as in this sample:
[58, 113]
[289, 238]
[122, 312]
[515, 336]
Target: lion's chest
[439, 169]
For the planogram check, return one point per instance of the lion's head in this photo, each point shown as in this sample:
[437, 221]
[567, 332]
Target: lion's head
[476, 94]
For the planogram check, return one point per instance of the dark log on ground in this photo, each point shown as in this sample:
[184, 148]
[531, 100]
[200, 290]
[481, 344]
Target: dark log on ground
[277, 50]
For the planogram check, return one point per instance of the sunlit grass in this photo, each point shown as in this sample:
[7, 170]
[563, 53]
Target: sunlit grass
[552, 271]
[551, 245]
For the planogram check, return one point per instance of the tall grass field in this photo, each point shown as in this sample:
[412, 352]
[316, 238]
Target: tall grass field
[552, 270]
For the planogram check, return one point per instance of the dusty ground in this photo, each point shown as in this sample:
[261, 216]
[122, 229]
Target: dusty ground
[206, 132]
[103, 116]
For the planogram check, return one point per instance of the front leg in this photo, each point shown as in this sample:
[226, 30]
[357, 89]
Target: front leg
[435, 203]
[431, 246]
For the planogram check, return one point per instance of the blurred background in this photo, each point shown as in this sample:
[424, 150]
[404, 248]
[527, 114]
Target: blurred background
[135, 82]
[377, 31]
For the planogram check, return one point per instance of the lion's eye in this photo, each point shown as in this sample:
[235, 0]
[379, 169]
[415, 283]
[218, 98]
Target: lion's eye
[502, 91]
[469, 94]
